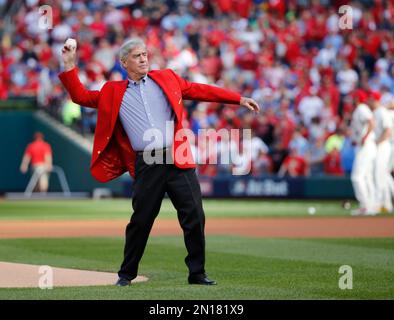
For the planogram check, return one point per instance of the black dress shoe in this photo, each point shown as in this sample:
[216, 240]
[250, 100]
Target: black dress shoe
[201, 279]
[122, 282]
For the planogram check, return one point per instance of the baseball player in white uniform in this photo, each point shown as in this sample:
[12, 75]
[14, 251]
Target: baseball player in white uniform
[382, 170]
[390, 107]
[362, 177]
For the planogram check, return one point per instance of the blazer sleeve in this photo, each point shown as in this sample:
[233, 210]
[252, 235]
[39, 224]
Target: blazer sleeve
[204, 92]
[78, 93]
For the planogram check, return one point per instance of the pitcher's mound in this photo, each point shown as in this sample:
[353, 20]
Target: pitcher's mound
[17, 275]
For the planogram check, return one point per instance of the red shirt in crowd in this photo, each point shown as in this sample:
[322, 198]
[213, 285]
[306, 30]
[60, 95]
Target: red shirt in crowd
[285, 132]
[240, 7]
[247, 60]
[262, 165]
[296, 165]
[277, 6]
[332, 163]
[212, 66]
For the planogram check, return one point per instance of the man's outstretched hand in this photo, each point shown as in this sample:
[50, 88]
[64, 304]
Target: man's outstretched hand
[250, 104]
[69, 56]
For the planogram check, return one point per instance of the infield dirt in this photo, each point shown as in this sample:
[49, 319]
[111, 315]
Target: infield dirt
[310, 227]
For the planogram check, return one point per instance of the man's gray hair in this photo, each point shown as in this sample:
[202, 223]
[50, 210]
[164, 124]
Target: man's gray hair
[130, 45]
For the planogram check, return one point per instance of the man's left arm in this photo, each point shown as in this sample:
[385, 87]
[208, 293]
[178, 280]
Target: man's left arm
[48, 161]
[204, 92]
[25, 163]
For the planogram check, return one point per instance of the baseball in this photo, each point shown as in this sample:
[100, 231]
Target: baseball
[347, 205]
[71, 42]
[311, 210]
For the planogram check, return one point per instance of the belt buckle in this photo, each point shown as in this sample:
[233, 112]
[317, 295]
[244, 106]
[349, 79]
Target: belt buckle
[154, 152]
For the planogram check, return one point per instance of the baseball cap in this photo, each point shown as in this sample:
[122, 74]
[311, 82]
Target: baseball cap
[375, 95]
[361, 95]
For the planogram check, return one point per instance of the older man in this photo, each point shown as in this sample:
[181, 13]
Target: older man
[127, 111]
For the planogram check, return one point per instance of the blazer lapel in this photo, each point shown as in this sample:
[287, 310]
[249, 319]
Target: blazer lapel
[119, 91]
[174, 97]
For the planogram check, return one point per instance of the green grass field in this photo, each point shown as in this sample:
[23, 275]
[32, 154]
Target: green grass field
[121, 209]
[245, 268]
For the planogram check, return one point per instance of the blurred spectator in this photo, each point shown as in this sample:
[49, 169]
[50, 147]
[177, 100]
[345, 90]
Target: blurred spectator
[257, 146]
[332, 163]
[310, 106]
[315, 156]
[294, 165]
[317, 129]
[262, 165]
[299, 143]
[347, 153]
[347, 79]
[71, 113]
[335, 141]
[105, 55]
[39, 155]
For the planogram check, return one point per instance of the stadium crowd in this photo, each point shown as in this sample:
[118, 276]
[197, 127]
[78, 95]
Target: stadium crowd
[290, 56]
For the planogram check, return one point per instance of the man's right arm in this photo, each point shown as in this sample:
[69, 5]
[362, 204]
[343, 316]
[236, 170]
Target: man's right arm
[78, 93]
[48, 161]
[204, 92]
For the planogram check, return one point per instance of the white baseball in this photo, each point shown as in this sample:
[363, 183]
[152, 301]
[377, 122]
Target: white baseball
[347, 205]
[311, 210]
[71, 42]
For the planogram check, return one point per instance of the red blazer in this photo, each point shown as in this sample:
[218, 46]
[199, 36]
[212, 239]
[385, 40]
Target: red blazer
[112, 152]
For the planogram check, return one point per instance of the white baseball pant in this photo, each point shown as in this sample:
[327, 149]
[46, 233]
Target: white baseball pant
[382, 174]
[362, 175]
[391, 169]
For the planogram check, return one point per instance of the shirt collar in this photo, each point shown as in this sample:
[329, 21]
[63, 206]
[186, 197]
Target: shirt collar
[143, 80]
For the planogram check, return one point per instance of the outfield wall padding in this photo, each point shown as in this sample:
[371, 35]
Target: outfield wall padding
[16, 131]
[270, 187]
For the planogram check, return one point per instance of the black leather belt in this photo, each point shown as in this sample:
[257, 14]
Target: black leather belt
[154, 151]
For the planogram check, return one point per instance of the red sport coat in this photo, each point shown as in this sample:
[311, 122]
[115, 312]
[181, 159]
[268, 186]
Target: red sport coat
[112, 151]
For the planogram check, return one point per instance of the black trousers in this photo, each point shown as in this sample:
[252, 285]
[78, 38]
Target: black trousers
[152, 181]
